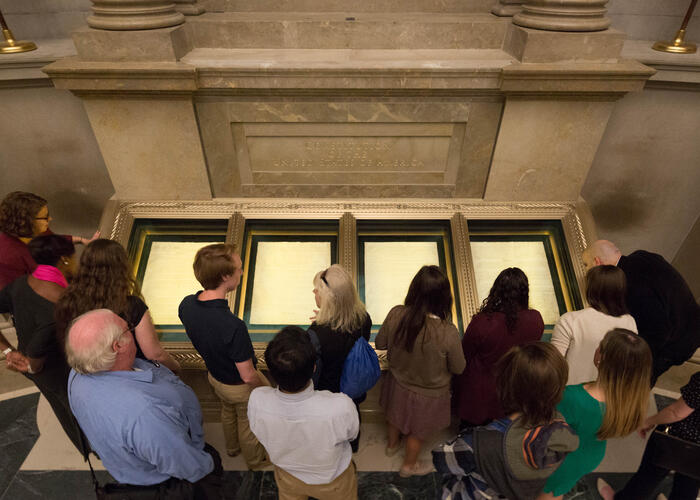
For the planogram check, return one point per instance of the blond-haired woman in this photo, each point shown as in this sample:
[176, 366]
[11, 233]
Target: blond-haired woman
[612, 406]
[340, 320]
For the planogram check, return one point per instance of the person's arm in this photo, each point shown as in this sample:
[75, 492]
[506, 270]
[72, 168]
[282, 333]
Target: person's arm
[562, 335]
[675, 412]
[85, 241]
[147, 338]
[248, 373]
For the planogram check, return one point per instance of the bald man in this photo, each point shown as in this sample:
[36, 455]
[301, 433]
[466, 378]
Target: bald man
[142, 420]
[659, 299]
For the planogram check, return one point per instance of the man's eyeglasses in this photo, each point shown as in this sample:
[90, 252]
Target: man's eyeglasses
[323, 278]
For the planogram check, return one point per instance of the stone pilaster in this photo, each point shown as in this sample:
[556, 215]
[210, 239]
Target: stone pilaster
[189, 7]
[507, 8]
[127, 15]
[563, 15]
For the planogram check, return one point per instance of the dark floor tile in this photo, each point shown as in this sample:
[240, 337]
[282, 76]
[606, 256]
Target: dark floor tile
[244, 485]
[662, 401]
[18, 433]
[389, 485]
[54, 485]
[268, 489]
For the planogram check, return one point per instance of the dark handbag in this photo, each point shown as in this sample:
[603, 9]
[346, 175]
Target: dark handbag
[674, 453]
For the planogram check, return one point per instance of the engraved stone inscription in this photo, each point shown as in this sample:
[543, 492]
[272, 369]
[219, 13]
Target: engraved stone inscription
[299, 152]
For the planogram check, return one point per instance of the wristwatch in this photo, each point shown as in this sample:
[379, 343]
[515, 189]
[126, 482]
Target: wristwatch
[7, 351]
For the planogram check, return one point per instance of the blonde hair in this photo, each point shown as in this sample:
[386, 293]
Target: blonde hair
[624, 375]
[341, 307]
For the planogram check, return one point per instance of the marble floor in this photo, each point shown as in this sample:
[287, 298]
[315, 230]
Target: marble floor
[37, 460]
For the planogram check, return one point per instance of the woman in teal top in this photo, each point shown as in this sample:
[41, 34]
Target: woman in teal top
[612, 406]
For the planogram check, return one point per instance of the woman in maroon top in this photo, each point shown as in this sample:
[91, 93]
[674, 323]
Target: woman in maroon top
[503, 321]
[22, 217]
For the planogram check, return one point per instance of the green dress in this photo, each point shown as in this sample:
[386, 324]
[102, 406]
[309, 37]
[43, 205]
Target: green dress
[585, 415]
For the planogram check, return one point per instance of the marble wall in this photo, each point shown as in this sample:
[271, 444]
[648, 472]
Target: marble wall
[653, 19]
[644, 183]
[47, 146]
[36, 19]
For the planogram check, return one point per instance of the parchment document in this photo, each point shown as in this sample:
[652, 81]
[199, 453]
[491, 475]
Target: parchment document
[491, 257]
[283, 282]
[169, 278]
[389, 268]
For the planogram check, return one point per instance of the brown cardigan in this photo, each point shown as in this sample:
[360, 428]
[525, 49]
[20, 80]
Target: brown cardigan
[436, 356]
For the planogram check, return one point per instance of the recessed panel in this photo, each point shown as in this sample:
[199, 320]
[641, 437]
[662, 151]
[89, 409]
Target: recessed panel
[282, 284]
[389, 268]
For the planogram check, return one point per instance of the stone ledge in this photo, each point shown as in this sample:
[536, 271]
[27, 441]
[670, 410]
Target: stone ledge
[538, 46]
[673, 71]
[623, 76]
[24, 70]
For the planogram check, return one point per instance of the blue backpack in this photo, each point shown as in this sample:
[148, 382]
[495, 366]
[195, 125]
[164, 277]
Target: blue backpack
[361, 369]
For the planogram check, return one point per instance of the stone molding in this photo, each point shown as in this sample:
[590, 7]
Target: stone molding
[563, 15]
[131, 15]
[189, 7]
[507, 8]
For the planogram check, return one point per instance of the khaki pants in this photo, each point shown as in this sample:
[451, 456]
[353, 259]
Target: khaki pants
[343, 487]
[234, 419]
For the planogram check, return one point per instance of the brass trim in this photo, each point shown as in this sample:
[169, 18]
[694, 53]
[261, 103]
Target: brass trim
[458, 212]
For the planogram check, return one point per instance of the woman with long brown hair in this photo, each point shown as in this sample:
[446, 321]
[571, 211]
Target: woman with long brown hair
[503, 321]
[104, 281]
[612, 406]
[424, 352]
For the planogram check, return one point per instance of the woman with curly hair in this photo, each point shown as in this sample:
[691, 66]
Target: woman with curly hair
[503, 321]
[341, 320]
[104, 281]
[22, 217]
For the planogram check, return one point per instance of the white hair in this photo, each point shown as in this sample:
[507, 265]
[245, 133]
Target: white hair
[98, 355]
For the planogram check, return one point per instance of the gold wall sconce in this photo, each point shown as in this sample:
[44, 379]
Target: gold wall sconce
[679, 45]
[10, 45]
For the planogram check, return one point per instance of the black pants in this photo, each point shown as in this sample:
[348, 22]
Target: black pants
[649, 476]
[207, 488]
[355, 443]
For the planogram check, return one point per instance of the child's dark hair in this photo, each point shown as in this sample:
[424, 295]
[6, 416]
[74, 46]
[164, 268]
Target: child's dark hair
[290, 357]
[531, 379]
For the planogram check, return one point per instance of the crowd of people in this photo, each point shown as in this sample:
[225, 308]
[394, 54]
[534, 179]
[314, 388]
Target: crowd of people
[534, 416]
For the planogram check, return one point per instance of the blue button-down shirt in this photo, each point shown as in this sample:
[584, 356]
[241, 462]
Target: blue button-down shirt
[146, 425]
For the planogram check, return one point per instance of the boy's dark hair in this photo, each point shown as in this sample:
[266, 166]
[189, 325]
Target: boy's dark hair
[530, 379]
[290, 357]
[212, 263]
[606, 290]
[47, 250]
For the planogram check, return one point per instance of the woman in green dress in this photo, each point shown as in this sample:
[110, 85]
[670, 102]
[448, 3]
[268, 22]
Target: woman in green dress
[612, 406]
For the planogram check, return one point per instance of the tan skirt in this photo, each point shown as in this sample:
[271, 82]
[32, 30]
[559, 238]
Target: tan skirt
[412, 413]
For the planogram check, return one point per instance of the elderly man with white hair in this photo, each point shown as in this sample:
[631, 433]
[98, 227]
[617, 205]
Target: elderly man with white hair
[142, 420]
[659, 299]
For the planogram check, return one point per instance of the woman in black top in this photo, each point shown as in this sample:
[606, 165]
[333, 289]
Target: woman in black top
[684, 417]
[30, 299]
[340, 320]
[104, 281]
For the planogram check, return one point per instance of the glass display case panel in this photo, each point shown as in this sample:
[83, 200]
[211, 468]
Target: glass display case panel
[279, 264]
[389, 256]
[162, 253]
[536, 247]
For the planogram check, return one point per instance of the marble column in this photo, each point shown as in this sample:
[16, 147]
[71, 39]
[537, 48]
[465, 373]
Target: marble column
[189, 7]
[507, 8]
[127, 15]
[563, 15]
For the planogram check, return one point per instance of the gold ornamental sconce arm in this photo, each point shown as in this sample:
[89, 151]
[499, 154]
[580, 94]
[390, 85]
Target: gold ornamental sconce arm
[679, 45]
[10, 45]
